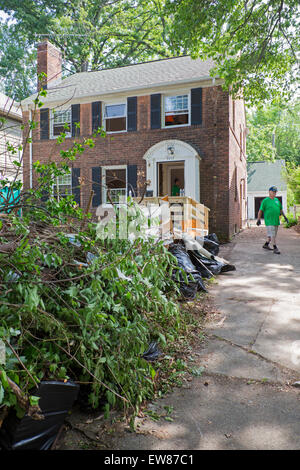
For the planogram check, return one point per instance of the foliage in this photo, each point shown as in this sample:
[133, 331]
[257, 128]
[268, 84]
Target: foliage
[291, 220]
[17, 63]
[253, 43]
[84, 307]
[292, 176]
[88, 322]
[92, 34]
[274, 133]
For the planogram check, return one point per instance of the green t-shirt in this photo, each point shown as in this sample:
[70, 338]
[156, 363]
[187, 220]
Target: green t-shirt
[175, 190]
[271, 209]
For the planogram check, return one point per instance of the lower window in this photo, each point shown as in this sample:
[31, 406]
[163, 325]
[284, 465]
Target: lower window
[62, 186]
[115, 184]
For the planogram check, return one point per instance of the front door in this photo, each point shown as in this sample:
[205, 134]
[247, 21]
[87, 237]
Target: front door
[170, 174]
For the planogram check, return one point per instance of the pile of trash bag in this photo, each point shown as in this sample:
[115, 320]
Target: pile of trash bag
[195, 279]
[199, 259]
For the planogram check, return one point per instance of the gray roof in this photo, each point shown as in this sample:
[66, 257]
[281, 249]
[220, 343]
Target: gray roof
[9, 107]
[262, 175]
[128, 78]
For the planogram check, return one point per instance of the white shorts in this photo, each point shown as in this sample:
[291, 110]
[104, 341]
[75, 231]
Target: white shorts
[272, 230]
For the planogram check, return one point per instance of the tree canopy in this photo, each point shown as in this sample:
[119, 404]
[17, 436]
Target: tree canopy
[92, 34]
[254, 43]
[274, 133]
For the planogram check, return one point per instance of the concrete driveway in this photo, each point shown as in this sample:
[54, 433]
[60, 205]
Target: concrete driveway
[260, 301]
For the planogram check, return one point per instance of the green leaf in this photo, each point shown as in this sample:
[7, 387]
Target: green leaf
[163, 338]
[3, 378]
[33, 400]
[1, 394]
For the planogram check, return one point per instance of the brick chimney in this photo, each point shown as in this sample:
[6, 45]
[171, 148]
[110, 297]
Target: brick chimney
[49, 61]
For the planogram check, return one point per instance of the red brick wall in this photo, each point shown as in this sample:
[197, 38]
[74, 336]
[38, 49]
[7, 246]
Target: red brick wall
[237, 162]
[49, 61]
[218, 149]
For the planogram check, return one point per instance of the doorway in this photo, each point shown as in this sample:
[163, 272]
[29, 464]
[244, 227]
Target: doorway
[258, 201]
[167, 173]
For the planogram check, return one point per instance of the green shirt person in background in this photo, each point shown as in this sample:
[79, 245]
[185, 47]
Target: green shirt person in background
[272, 209]
[176, 188]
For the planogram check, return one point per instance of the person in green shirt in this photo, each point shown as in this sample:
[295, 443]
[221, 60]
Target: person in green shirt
[176, 188]
[272, 209]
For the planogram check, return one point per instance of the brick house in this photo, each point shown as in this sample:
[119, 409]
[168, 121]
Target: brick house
[164, 120]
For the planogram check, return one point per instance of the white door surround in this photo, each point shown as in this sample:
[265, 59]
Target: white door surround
[174, 151]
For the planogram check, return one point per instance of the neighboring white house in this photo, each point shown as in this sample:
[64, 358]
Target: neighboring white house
[261, 176]
[10, 135]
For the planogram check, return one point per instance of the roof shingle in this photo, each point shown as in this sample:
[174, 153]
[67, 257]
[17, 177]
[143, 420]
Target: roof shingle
[122, 79]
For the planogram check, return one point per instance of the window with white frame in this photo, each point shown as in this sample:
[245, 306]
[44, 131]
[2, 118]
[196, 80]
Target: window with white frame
[114, 184]
[115, 117]
[176, 110]
[62, 186]
[61, 122]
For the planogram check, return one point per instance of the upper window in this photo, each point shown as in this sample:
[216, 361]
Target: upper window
[61, 122]
[115, 118]
[62, 186]
[176, 110]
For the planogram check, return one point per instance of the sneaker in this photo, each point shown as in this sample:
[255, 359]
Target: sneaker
[276, 251]
[267, 247]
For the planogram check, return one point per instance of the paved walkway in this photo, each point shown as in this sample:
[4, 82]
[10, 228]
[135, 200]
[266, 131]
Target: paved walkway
[260, 302]
[244, 399]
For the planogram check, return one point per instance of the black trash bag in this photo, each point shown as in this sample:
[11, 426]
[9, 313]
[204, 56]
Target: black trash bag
[211, 244]
[56, 400]
[200, 265]
[152, 353]
[214, 266]
[227, 267]
[184, 261]
[213, 237]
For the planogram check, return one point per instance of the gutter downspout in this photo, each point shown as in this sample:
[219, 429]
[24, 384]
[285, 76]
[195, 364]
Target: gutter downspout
[30, 151]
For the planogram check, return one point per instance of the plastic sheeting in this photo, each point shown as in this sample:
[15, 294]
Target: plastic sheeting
[211, 243]
[152, 353]
[56, 399]
[184, 261]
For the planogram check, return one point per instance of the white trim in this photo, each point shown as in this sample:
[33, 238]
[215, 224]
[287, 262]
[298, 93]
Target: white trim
[103, 181]
[205, 82]
[183, 152]
[163, 114]
[51, 123]
[251, 195]
[115, 103]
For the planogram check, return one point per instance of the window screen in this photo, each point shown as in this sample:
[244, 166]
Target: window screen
[61, 122]
[115, 118]
[176, 110]
[115, 183]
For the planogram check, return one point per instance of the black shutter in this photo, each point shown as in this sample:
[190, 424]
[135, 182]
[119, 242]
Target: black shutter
[196, 106]
[75, 119]
[96, 115]
[131, 113]
[97, 186]
[44, 123]
[132, 179]
[156, 111]
[76, 185]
